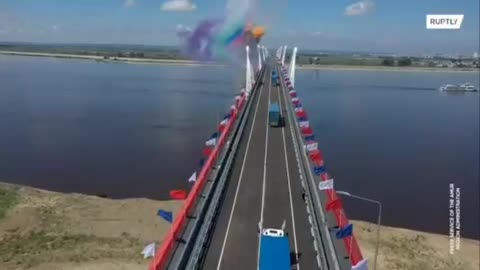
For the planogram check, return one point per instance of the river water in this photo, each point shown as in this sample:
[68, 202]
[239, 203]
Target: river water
[138, 131]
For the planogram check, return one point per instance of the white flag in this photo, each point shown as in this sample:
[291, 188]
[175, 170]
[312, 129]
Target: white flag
[211, 142]
[149, 251]
[294, 99]
[237, 97]
[312, 146]
[224, 122]
[193, 178]
[292, 91]
[327, 184]
[298, 109]
[304, 124]
[361, 265]
[233, 107]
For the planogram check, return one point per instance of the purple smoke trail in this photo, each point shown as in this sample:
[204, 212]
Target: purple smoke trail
[199, 44]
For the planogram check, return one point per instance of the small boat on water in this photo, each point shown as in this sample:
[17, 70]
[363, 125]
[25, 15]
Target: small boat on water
[467, 87]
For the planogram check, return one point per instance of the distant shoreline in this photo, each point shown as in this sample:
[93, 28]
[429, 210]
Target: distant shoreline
[380, 68]
[130, 60]
[111, 59]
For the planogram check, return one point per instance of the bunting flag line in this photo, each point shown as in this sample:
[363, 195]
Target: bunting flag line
[168, 216]
[345, 232]
[178, 194]
[325, 185]
[193, 178]
[334, 205]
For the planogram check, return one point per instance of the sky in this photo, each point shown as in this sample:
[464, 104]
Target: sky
[348, 25]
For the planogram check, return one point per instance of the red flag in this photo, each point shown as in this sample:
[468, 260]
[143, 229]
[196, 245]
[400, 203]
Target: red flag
[334, 205]
[178, 194]
[207, 151]
[301, 114]
[316, 156]
[306, 131]
[221, 128]
[293, 94]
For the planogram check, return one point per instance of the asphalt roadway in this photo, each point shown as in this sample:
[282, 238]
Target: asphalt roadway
[263, 188]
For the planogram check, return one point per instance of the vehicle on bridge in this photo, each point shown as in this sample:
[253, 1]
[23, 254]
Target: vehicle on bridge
[274, 250]
[274, 115]
[275, 78]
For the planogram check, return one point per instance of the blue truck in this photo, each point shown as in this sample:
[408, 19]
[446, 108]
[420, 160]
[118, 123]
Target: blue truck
[274, 250]
[275, 78]
[274, 115]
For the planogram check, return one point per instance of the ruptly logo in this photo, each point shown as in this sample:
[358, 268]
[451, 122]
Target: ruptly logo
[451, 21]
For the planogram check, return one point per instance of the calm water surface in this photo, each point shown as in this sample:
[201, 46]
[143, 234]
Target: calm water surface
[138, 131]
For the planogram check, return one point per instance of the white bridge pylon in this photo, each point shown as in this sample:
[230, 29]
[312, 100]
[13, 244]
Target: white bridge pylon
[249, 76]
[281, 52]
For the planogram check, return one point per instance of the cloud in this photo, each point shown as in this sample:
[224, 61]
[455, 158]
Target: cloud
[178, 5]
[360, 8]
[129, 3]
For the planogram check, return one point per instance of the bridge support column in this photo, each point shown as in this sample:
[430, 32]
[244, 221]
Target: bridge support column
[291, 72]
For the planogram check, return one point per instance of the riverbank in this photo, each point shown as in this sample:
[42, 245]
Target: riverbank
[44, 230]
[382, 68]
[111, 59]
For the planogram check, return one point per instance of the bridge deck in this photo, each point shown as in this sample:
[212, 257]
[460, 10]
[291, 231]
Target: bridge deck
[264, 185]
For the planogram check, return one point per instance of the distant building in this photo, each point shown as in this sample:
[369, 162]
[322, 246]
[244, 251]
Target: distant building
[475, 55]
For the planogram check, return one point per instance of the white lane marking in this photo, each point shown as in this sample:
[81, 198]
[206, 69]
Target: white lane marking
[239, 182]
[289, 186]
[264, 184]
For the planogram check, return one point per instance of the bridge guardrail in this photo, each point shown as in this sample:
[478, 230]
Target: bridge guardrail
[350, 242]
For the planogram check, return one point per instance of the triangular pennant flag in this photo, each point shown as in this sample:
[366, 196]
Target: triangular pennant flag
[304, 124]
[211, 142]
[361, 265]
[148, 251]
[334, 205]
[319, 170]
[167, 215]
[311, 146]
[193, 178]
[324, 185]
[345, 232]
[178, 194]
[207, 151]
[224, 122]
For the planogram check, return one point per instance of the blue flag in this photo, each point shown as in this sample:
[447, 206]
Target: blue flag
[227, 116]
[214, 135]
[310, 138]
[298, 105]
[345, 231]
[319, 170]
[168, 216]
[201, 162]
[301, 119]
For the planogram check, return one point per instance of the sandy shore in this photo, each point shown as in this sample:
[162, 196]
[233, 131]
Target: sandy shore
[43, 230]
